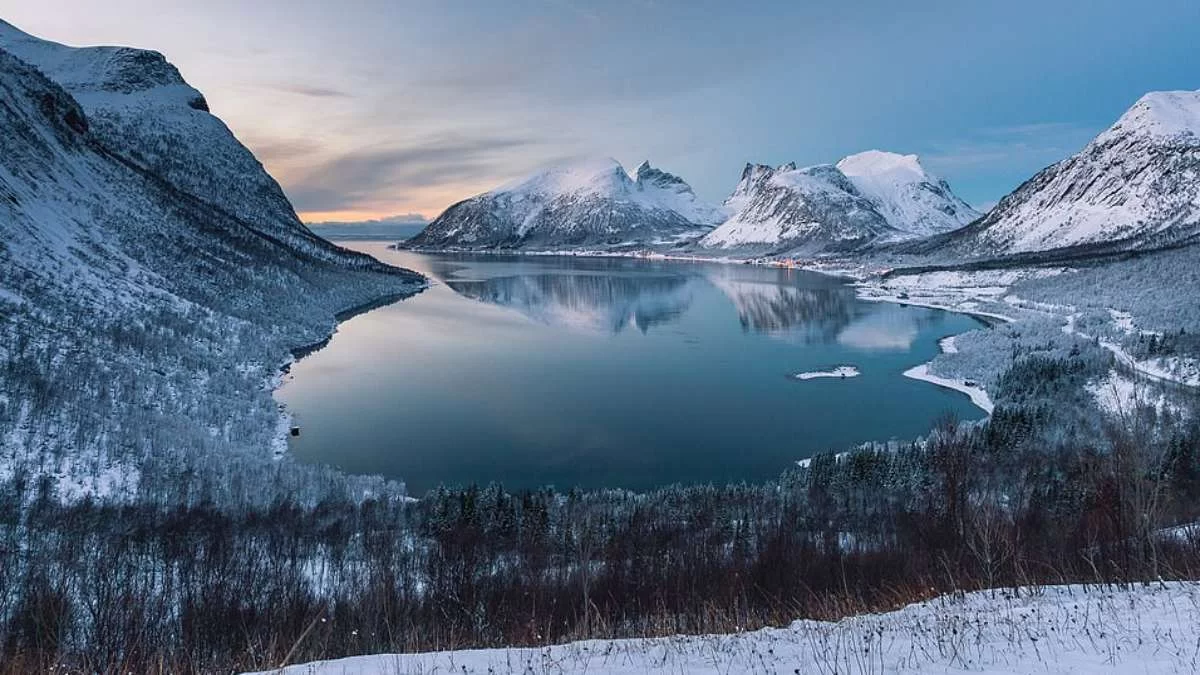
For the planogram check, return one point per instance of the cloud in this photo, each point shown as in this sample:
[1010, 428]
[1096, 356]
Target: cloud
[279, 150]
[301, 89]
[374, 175]
[880, 331]
[1040, 144]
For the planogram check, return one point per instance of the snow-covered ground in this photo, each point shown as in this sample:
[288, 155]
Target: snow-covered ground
[989, 294]
[838, 372]
[981, 293]
[1060, 629]
[1168, 369]
[1121, 396]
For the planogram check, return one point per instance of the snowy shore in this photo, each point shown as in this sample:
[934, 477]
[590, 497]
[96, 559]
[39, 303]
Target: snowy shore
[977, 394]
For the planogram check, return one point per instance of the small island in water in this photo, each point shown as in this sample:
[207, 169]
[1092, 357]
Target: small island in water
[841, 372]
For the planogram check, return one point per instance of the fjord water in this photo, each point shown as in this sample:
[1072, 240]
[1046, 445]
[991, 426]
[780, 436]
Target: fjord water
[583, 372]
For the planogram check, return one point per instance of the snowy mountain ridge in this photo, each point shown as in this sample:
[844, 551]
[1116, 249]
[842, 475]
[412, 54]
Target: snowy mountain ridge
[140, 108]
[1135, 185]
[585, 202]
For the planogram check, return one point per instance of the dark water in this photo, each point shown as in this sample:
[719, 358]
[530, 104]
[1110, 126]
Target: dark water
[611, 373]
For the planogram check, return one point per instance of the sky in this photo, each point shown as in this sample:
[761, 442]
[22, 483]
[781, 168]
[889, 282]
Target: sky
[367, 109]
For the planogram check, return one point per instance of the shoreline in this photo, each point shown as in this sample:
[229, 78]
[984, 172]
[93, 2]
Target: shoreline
[837, 272]
[977, 394]
[283, 423]
[989, 318]
[858, 278]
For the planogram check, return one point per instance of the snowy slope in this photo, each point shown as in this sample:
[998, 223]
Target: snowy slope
[866, 198]
[591, 202]
[140, 108]
[912, 199]
[1137, 183]
[1056, 630]
[141, 323]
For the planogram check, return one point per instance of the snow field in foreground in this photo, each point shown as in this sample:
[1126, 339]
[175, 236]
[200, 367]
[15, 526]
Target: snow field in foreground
[1057, 629]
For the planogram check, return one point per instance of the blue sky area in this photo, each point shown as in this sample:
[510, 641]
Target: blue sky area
[374, 108]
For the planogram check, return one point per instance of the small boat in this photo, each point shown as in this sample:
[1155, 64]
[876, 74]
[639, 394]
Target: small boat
[295, 431]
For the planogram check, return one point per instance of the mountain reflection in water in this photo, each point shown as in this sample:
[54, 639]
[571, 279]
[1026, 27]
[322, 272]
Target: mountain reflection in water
[600, 303]
[599, 373]
[797, 306]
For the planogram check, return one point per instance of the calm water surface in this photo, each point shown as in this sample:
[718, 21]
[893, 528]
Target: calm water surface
[532, 371]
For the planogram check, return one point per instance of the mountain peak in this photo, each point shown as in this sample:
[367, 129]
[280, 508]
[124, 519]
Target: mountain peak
[105, 70]
[913, 200]
[648, 177]
[753, 173]
[1160, 114]
[138, 106]
[880, 162]
[1133, 186]
[578, 175]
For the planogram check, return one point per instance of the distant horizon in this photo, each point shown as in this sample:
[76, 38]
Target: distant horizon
[395, 220]
[381, 108]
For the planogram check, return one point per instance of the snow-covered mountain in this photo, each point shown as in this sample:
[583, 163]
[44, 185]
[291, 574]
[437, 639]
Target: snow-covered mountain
[1137, 184]
[866, 198]
[586, 203]
[145, 303]
[141, 109]
[805, 210]
[912, 200]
